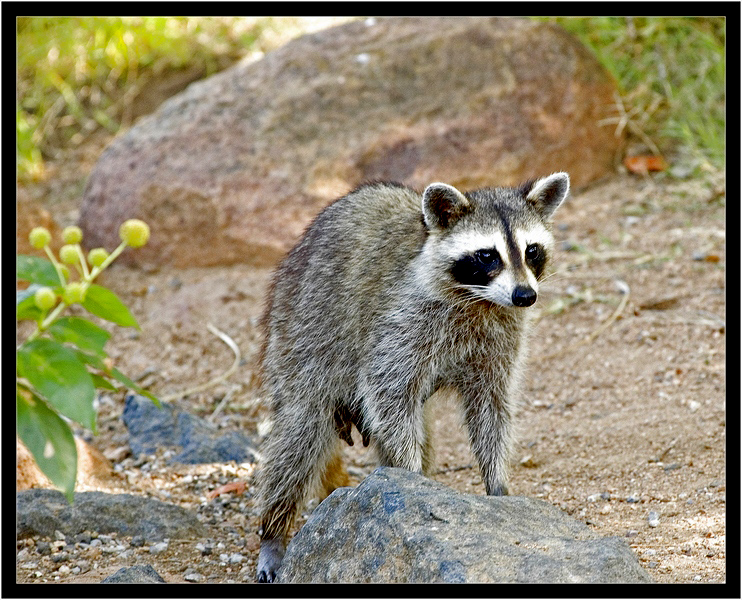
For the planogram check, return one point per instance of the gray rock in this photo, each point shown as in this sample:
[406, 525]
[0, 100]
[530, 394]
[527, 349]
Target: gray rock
[136, 574]
[41, 512]
[399, 527]
[199, 441]
[233, 168]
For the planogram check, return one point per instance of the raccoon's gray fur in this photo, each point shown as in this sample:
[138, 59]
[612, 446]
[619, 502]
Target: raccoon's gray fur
[388, 297]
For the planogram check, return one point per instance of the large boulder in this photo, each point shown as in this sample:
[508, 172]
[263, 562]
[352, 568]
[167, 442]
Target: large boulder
[233, 168]
[399, 527]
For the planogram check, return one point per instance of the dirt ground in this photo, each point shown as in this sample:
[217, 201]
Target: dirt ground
[623, 421]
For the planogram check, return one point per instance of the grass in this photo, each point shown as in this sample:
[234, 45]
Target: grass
[77, 75]
[80, 74]
[671, 77]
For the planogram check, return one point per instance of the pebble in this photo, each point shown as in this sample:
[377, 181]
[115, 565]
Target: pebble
[193, 577]
[204, 549]
[64, 570]
[693, 406]
[697, 578]
[653, 519]
[84, 537]
[633, 499]
[43, 548]
[137, 541]
[58, 535]
[236, 558]
[593, 497]
[157, 548]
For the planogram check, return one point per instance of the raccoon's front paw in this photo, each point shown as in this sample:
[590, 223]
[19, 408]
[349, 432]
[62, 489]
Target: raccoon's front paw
[269, 560]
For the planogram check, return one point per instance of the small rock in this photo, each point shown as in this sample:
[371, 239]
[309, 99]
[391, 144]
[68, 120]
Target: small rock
[43, 548]
[653, 519]
[696, 578]
[83, 565]
[633, 499]
[136, 574]
[605, 495]
[204, 549]
[58, 535]
[236, 558]
[593, 497]
[64, 570]
[193, 577]
[606, 509]
[693, 406]
[672, 467]
[84, 537]
[158, 548]
[137, 541]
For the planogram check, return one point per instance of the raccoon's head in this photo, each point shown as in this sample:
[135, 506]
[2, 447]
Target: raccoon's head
[492, 244]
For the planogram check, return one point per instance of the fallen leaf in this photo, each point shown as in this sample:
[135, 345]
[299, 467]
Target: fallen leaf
[235, 486]
[644, 163]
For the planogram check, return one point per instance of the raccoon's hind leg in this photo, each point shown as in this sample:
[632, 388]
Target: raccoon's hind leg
[334, 475]
[295, 456]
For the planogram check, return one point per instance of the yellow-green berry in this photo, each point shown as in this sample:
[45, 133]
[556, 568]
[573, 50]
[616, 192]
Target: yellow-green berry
[45, 298]
[72, 235]
[74, 292]
[68, 254]
[97, 256]
[39, 237]
[134, 233]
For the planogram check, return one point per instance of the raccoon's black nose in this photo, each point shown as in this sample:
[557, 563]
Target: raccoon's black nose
[524, 295]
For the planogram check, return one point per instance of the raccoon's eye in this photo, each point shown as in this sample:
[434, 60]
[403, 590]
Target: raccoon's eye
[486, 257]
[533, 252]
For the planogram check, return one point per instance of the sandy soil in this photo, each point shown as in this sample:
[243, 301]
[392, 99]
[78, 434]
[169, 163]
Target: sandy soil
[623, 421]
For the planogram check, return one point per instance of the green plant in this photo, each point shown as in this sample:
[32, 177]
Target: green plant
[61, 363]
[671, 78]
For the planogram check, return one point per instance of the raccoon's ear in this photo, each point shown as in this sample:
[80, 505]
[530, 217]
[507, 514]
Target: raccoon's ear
[442, 205]
[547, 193]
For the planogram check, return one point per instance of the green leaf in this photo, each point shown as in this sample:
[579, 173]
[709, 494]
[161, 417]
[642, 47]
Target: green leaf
[36, 270]
[82, 333]
[49, 439]
[25, 306]
[103, 303]
[59, 376]
[118, 375]
[102, 383]
[90, 359]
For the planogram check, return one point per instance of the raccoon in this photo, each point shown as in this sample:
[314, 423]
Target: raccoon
[388, 297]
